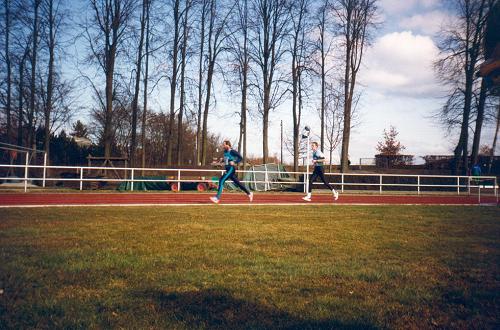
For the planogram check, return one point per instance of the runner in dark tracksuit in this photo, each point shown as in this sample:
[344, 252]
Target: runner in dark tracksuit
[318, 160]
[231, 159]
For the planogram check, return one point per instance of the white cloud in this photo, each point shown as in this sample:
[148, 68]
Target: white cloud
[403, 6]
[401, 63]
[430, 3]
[427, 23]
[396, 6]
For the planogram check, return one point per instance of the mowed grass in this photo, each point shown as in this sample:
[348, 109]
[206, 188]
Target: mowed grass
[250, 267]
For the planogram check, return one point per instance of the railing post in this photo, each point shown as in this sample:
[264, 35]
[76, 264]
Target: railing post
[458, 185]
[307, 165]
[468, 185]
[132, 180]
[44, 168]
[418, 184]
[342, 182]
[305, 184]
[381, 184]
[179, 180]
[254, 178]
[479, 193]
[26, 172]
[81, 178]
[496, 191]
[266, 179]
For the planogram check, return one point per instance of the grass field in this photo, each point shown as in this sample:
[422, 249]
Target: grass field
[250, 267]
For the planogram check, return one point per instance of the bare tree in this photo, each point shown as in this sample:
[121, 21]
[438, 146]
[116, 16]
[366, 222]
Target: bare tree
[479, 122]
[217, 34]
[461, 53]
[138, 68]
[33, 62]
[203, 10]
[105, 33]
[495, 138]
[300, 26]
[185, 38]
[333, 117]
[490, 41]
[239, 61]
[177, 16]
[355, 20]
[145, 82]
[8, 63]
[267, 47]
[53, 17]
[21, 93]
[324, 46]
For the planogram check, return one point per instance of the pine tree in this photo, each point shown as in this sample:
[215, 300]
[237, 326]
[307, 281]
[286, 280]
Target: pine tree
[390, 146]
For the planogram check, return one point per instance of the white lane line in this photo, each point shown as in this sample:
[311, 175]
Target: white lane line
[236, 204]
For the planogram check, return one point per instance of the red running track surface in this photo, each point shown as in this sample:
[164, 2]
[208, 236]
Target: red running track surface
[48, 199]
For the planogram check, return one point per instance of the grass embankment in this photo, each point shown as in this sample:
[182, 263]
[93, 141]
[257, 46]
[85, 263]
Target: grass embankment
[250, 267]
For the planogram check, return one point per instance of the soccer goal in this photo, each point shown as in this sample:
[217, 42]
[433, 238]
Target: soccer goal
[484, 188]
[267, 177]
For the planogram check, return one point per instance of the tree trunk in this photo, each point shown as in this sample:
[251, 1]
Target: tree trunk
[8, 64]
[331, 164]
[145, 105]
[50, 78]
[323, 80]
[479, 123]
[244, 96]
[173, 82]
[183, 76]
[461, 151]
[265, 134]
[494, 145]
[20, 111]
[135, 101]
[265, 122]
[473, 39]
[347, 112]
[243, 128]
[212, 56]
[20, 115]
[108, 118]
[31, 113]
[205, 113]
[296, 118]
[243, 58]
[199, 133]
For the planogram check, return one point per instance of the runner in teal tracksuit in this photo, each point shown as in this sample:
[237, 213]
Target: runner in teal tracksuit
[231, 159]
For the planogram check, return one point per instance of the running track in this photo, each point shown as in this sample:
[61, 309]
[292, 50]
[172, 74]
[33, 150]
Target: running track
[72, 199]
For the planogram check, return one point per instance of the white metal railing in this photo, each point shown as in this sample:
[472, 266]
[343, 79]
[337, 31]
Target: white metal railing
[179, 176]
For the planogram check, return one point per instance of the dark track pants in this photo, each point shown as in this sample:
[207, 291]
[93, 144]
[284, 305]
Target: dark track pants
[230, 174]
[318, 172]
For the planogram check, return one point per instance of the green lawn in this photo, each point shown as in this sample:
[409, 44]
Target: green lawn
[250, 267]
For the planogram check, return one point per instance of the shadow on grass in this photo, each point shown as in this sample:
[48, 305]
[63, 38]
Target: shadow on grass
[212, 309]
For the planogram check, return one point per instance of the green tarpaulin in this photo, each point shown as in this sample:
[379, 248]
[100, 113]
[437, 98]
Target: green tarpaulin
[146, 184]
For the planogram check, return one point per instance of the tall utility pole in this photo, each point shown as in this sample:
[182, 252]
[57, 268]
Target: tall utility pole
[281, 142]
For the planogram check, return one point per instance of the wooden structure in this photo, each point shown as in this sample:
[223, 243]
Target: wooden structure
[108, 162]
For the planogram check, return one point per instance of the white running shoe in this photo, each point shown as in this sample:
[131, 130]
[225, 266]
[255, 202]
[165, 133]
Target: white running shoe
[335, 194]
[306, 198]
[214, 200]
[250, 196]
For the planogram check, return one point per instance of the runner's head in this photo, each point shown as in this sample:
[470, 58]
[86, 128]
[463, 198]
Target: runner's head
[226, 145]
[314, 146]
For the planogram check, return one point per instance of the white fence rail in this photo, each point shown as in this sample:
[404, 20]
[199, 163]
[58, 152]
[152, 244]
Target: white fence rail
[416, 183]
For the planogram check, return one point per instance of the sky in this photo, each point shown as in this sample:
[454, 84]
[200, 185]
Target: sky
[397, 84]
